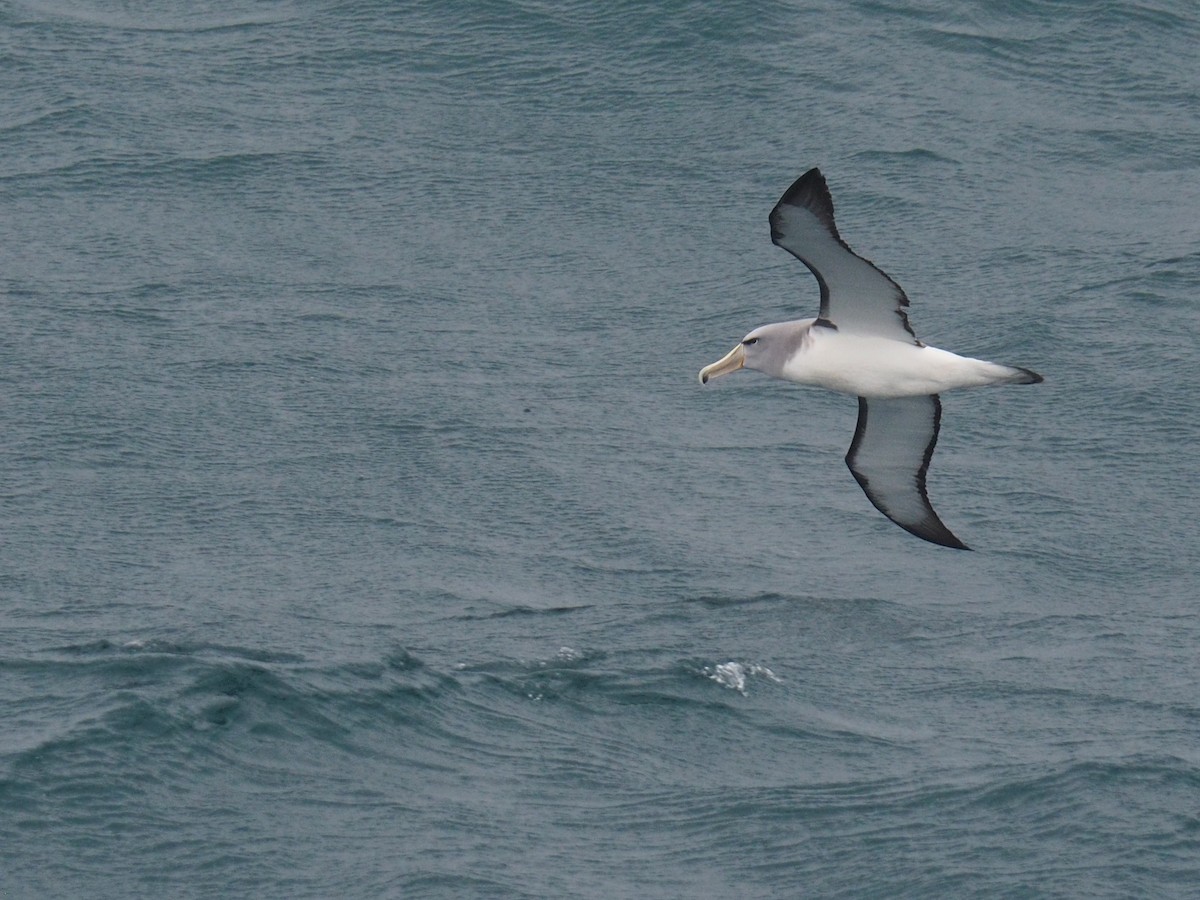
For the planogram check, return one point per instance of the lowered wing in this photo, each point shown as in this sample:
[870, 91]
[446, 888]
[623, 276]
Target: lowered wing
[889, 457]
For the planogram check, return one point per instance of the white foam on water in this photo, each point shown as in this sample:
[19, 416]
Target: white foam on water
[734, 675]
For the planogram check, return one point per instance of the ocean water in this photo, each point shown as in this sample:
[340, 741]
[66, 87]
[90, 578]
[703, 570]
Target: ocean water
[364, 531]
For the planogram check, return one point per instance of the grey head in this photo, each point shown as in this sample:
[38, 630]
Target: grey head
[766, 349]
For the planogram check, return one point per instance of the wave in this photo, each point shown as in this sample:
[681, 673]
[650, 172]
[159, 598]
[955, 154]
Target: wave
[122, 693]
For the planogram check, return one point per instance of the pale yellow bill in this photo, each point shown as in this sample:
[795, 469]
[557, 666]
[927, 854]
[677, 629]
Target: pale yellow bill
[730, 362]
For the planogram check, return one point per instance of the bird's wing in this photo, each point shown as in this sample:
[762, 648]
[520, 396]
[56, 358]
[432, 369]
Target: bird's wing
[889, 457]
[855, 295]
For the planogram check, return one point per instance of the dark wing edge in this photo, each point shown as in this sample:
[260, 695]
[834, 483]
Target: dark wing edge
[811, 192]
[889, 487]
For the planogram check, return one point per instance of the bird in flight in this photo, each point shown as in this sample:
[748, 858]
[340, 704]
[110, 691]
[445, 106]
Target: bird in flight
[861, 344]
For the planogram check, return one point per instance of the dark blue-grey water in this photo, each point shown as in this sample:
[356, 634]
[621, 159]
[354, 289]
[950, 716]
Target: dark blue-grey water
[364, 531]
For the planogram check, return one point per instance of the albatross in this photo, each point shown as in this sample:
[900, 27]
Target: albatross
[861, 344]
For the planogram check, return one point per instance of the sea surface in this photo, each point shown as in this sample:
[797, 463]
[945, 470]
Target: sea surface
[365, 531]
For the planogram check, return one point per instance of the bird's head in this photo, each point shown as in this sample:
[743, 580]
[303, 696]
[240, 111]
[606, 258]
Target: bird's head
[766, 349]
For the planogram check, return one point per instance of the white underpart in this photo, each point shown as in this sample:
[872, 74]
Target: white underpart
[869, 366]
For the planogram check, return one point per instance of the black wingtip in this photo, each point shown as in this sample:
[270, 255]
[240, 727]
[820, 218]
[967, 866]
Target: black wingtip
[810, 192]
[811, 181]
[932, 530]
[942, 537]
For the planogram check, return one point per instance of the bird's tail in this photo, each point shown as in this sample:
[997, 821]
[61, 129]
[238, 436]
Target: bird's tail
[1017, 375]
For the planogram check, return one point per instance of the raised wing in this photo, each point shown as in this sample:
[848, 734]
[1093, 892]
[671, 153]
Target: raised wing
[855, 296]
[889, 457]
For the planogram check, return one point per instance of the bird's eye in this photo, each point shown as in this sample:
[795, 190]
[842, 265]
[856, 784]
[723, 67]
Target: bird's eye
[748, 341]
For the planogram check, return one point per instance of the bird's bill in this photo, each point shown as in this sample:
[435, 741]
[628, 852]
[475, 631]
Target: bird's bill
[730, 362]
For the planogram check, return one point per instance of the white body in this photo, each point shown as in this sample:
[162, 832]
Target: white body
[863, 345]
[868, 366]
